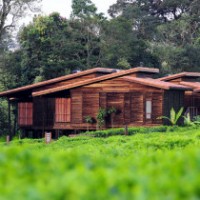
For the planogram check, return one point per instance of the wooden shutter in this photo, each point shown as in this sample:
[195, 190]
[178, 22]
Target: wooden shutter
[25, 114]
[63, 110]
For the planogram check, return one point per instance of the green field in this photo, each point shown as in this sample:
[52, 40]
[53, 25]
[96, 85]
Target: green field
[155, 165]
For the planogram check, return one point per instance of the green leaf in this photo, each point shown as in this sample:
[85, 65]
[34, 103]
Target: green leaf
[178, 115]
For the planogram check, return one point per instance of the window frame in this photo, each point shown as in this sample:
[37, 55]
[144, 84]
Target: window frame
[148, 109]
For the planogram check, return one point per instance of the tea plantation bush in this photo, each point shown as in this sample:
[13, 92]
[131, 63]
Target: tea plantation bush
[134, 130]
[162, 165]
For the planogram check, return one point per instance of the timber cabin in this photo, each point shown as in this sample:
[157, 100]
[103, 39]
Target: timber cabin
[192, 97]
[61, 104]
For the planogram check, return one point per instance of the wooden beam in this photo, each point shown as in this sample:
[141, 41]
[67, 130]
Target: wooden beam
[9, 120]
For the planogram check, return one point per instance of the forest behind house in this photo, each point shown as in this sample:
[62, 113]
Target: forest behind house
[154, 33]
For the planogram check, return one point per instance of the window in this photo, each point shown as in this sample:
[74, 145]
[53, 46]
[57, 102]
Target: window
[148, 109]
[63, 110]
[25, 113]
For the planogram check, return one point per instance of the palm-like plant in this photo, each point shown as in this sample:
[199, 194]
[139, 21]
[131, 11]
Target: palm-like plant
[188, 121]
[174, 117]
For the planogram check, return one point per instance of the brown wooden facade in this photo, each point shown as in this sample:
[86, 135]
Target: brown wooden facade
[191, 98]
[62, 104]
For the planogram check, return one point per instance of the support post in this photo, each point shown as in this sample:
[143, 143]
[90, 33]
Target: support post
[48, 137]
[9, 121]
[126, 130]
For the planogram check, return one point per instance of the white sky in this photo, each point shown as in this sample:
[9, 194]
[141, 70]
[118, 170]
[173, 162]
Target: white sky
[64, 6]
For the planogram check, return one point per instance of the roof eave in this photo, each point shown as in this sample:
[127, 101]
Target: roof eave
[11, 92]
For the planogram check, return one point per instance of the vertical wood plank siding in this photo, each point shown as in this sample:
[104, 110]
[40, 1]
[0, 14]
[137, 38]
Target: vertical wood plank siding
[116, 100]
[90, 102]
[157, 107]
[137, 107]
[63, 110]
[128, 98]
[102, 100]
[76, 106]
[192, 102]
[44, 111]
[25, 114]
[127, 110]
[132, 107]
[172, 99]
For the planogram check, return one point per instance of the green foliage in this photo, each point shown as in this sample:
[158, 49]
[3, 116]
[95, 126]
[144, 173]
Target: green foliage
[118, 167]
[196, 120]
[123, 64]
[88, 119]
[188, 121]
[101, 117]
[3, 118]
[133, 131]
[174, 117]
[47, 48]
[83, 8]
[111, 110]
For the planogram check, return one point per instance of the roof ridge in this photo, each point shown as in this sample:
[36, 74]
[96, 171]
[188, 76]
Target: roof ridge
[93, 80]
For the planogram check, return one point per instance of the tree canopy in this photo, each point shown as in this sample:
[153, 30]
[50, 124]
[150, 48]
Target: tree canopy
[156, 33]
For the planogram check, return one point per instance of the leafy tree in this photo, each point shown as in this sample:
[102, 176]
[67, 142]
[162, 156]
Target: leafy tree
[87, 27]
[170, 30]
[121, 43]
[47, 48]
[3, 118]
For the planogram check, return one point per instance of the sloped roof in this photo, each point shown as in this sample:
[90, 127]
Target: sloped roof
[95, 80]
[194, 85]
[112, 73]
[191, 84]
[123, 75]
[197, 89]
[179, 75]
[156, 83]
[55, 80]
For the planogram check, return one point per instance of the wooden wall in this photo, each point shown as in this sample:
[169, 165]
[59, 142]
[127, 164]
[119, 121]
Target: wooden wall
[90, 103]
[128, 98]
[70, 81]
[172, 99]
[76, 107]
[192, 103]
[25, 114]
[43, 114]
[129, 102]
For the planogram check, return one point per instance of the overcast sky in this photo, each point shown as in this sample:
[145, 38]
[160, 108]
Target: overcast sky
[64, 6]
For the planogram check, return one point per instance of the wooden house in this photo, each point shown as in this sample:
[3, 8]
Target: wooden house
[62, 104]
[192, 97]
